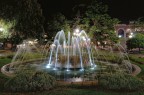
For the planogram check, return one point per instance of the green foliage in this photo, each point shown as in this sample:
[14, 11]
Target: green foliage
[139, 61]
[3, 78]
[6, 28]
[120, 82]
[30, 80]
[28, 56]
[136, 59]
[136, 42]
[27, 15]
[96, 21]
[58, 23]
[140, 21]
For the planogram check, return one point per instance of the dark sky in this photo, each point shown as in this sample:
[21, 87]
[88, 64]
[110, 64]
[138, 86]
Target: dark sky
[125, 10]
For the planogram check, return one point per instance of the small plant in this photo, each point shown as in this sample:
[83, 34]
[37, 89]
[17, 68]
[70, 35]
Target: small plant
[30, 80]
[120, 82]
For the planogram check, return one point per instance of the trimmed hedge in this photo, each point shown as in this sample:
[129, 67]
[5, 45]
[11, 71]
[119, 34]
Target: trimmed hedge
[120, 82]
[30, 80]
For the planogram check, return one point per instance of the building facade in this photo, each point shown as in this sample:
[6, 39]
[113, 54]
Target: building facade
[127, 31]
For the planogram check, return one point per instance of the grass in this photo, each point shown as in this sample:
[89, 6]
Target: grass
[3, 78]
[73, 91]
[139, 62]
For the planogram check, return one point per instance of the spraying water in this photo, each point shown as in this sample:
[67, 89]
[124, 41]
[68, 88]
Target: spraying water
[70, 52]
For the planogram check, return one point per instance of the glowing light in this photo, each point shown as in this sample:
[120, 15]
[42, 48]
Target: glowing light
[45, 35]
[30, 42]
[53, 45]
[74, 33]
[67, 70]
[120, 36]
[130, 36]
[1, 29]
[48, 66]
[82, 69]
[92, 68]
[131, 33]
[55, 69]
[98, 43]
[77, 30]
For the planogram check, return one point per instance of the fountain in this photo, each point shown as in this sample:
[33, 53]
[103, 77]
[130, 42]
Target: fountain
[70, 53]
[70, 57]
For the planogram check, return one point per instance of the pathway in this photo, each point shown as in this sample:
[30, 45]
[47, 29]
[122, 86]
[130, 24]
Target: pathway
[137, 70]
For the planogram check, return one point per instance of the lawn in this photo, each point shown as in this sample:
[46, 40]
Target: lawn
[75, 91]
[139, 61]
[3, 78]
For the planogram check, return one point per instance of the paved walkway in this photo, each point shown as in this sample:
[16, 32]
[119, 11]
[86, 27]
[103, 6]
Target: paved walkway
[137, 70]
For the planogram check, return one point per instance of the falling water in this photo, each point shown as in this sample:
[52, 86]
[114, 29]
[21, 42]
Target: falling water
[68, 50]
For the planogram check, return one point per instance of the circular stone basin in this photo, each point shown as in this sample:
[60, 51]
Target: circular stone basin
[71, 74]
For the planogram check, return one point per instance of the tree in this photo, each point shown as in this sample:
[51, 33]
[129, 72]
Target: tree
[136, 42]
[140, 21]
[27, 14]
[98, 24]
[4, 29]
[58, 23]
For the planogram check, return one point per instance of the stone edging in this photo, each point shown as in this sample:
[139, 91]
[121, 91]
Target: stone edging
[11, 74]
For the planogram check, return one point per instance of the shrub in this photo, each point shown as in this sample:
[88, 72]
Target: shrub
[30, 80]
[120, 82]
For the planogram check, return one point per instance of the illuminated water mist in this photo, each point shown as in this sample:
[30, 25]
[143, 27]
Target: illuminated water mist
[71, 52]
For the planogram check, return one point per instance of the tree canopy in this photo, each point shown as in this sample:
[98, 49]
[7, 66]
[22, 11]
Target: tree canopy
[98, 24]
[26, 13]
[136, 42]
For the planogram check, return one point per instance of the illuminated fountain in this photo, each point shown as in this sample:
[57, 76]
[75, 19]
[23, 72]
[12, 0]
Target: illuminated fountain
[71, 52]
[71, 57]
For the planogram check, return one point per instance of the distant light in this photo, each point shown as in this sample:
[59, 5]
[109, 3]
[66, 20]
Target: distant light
[82, 69]
[1, 29]
[98, 43]
[46, 40]
[53, 45]
[130, 36]
[131, 33]
[92, 68]
[48, 66]
[67, 70]
[30, 42]
[120, 36]
[77, 30]
[45, 35]
[55, 69]
[74, 33]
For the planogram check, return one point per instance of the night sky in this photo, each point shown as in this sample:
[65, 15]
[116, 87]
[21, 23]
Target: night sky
[124, 10]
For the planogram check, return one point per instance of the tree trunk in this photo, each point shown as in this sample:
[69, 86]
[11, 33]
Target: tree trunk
[139, 50]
